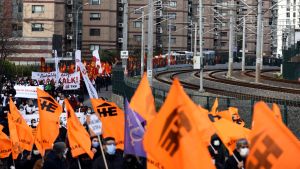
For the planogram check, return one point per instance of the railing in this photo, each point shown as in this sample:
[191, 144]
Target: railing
[126, 86]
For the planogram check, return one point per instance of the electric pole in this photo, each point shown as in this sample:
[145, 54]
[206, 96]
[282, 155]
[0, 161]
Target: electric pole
[125, 33]
[244, 44]
[169, 47]
[230, 53]
[143, 45]
[258, 41]
[150, 41]
[201, 45]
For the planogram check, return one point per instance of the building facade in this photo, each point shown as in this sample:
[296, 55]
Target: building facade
[286, 21]
[99, 26]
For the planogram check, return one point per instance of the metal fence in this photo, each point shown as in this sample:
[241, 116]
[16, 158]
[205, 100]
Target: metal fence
[291, 70]
[126, 86]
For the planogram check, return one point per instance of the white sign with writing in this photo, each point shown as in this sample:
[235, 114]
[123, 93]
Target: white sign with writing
[95, 124]
[27, 91]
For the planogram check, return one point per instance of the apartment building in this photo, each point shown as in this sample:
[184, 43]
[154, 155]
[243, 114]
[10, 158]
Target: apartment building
[99, 26]
[216, 18]
[286, 14]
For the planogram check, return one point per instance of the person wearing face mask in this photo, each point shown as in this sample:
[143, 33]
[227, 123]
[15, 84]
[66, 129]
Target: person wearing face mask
[96, 147]
[55, 159]
[217, 151]
[238, 159]
[114, 157]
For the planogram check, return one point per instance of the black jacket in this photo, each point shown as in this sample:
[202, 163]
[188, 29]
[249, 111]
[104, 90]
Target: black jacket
[53, 162]
[231, 162]
[113, 161]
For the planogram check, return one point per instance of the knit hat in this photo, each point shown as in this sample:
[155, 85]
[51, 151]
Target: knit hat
[59, 147]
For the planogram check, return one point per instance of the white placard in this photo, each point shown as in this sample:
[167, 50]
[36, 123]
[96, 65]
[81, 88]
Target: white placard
[29, 118]
[27, 91]
[95, 124]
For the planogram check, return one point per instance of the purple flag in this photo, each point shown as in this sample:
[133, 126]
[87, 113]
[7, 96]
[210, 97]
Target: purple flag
[134, 132]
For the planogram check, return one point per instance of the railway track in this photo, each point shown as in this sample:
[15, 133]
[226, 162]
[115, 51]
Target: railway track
[212, 77]
[249, 73]
[238, 95]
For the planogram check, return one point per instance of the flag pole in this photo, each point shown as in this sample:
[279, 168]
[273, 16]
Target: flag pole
[79, 165]
[103, 155]
[215, 151]
[14, 163]
[236, 160]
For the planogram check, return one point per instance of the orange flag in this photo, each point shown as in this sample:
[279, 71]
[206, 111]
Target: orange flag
[235, 116]
[230, 132]
[24, 132]
[174, 137]
[142, 101]
[272, 144]
[232, 115]
[112, 118]
[13, 135]
[214, 107]
[5, 144]
[277, 112]
[79, 138]
[48, 127]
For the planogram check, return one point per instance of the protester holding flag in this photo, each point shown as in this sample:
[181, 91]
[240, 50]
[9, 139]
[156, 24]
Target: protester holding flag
[239, 156]
[114, 156]
[55, 159]
[217, 151]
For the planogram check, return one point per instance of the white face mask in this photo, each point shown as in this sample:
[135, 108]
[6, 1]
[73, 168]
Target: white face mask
[36, 152]
[216, 142]
[244, 152]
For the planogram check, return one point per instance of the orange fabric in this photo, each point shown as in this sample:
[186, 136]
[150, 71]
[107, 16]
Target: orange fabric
[5, 144]
[276, 111]
[214, 107]
[112, 118]
[79, 138]
[142, 101]
[26, 139]
[225, 114]
[235, 116]
[230, 132]
[174, 137]
[13, 135]
[48, 127]
[272, 144]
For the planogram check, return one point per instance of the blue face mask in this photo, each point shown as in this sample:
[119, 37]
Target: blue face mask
[95, 144]
[111, 149]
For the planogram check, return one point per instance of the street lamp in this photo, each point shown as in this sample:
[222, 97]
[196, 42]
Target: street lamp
[76, 35]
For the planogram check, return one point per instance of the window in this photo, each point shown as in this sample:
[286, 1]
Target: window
[223, 33]
[223, 43]
[172, 15]
[173, 28]
[95, 2]
[95, 16]
[94, 47]
[288, 14]
[37, 27]
[94, 32]
[294, 14]
[137, 38]
[137, 24]
[20, 8]
[37, 8]
[173, 4]
[173, 40]
[137, 11]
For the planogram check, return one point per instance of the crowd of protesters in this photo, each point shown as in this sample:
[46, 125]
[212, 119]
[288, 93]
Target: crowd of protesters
[60, 157]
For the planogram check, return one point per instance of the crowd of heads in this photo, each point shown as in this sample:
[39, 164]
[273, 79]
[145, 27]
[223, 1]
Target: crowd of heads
[60, 156]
